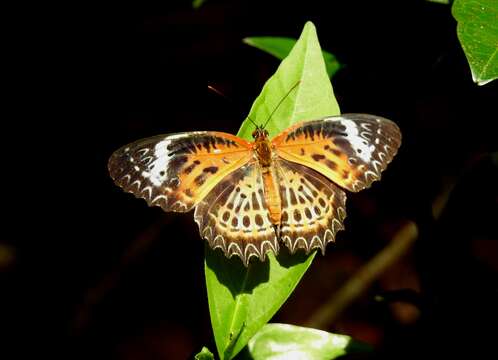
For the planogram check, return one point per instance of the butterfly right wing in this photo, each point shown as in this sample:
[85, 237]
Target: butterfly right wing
[234, 216]
[313, 207]
[350, 149]
[177, 171]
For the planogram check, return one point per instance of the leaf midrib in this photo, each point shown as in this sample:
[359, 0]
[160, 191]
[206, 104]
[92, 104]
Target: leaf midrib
[485, 67]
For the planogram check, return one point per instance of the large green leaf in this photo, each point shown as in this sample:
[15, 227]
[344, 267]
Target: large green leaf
[283, 341]
[242, 300]
[280, 47]
[478, 33]
[313, 98]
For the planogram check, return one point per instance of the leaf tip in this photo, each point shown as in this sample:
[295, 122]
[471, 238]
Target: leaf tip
[247, 40]
[309, 25]
[309, 29]
[481, 82]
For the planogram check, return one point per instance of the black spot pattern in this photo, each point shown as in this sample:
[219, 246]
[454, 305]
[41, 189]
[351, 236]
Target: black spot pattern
[317, 218]
[248, 232]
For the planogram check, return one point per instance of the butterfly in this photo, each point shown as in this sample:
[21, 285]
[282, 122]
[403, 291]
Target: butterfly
[249, 197]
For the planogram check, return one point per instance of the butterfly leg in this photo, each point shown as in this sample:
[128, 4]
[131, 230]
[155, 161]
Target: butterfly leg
[277, 231]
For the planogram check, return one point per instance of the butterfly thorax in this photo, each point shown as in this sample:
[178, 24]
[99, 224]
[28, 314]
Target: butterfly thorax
[262, 147]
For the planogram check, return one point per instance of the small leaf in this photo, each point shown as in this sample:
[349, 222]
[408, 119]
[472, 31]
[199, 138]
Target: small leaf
[197, 3]
[444, 2]
[204, 354]
[280, 47]
[242, 300]
[283, 341]
[478, 34]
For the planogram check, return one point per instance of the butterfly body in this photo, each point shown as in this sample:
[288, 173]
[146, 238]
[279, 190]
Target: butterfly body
[251, 196]
[264, 154]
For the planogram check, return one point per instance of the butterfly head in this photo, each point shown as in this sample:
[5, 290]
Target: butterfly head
[260, 133]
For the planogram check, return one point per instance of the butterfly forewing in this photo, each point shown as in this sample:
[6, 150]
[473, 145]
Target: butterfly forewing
[351, 150]
[313, 207]
[234, 216]
[176, 171]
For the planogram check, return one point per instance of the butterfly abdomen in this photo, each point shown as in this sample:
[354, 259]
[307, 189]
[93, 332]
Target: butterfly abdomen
[264, 154]
[272, 195]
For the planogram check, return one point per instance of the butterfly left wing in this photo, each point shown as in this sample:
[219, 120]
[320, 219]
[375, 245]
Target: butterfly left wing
[351, 149]
[234, 216]
[177, 171]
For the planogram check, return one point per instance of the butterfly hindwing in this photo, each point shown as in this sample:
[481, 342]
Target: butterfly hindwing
[313, 207]
[176, 171]
[351, 149]
[234, 216]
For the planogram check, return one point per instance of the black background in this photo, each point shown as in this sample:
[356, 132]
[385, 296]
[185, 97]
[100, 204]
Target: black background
[92, 272]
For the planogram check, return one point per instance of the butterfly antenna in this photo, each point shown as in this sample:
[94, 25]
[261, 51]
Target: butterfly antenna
[280, 102]
[215, 90]
[212, 88]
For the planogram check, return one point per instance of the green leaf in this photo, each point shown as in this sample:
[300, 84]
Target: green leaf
[197, 3]
[444, 2]
[478, 34]
[313, 98]
[280, 47]
[204, 354]
[242, 300]
[283, 341]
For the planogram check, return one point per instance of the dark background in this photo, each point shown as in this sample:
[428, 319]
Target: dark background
[90, 272]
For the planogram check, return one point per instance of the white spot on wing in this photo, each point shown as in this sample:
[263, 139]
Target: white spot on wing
[363, 151]
[185, 134]
[160, 164]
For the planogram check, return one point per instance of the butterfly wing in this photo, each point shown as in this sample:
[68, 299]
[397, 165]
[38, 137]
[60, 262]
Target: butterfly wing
[313, 207]
[351, 149]
[177, 171]
[234, 216]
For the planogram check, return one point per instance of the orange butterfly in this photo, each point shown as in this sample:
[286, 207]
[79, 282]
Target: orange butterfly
[249, 195]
